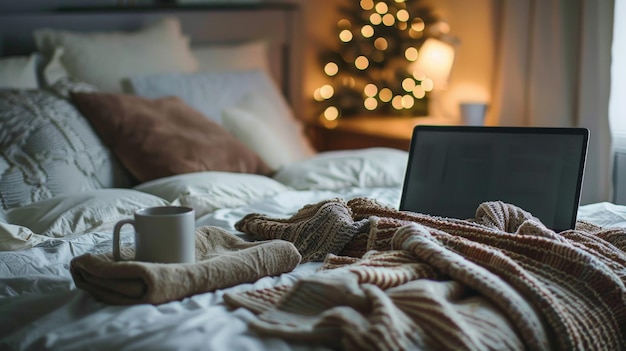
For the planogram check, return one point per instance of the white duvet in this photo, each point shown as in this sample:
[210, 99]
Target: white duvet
[41, 309]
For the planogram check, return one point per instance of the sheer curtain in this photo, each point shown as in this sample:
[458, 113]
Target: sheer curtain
[553, 69]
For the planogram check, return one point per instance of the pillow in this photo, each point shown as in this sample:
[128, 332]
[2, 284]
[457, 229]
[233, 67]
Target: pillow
[213, 93]
[232, 57]
[19, 72]
[164, 137]
[206, 192]
[255, 122]
[333, 170]
[47, 148]
[105, 58]
[76, 214]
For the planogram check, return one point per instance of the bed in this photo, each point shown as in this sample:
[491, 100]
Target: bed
[90, 133]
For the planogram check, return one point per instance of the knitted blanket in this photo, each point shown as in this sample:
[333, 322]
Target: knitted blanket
[222, 260]
[396, 280]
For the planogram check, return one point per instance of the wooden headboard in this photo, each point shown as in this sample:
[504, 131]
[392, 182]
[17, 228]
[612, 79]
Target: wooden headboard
[278, 23]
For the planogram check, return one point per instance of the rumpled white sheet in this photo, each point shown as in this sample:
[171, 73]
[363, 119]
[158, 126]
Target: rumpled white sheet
[40, 308]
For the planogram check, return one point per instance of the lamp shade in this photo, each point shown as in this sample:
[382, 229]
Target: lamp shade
[434, 62]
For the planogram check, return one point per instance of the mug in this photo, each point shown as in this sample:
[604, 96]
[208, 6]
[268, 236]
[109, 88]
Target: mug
[163, 234]
[473, 113]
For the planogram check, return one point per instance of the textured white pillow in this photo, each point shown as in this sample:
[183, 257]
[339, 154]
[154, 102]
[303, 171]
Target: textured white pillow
[19, 72]
[104, 59]
[77, 214]
[49, 149]
[278, 141]
[333, 170]
[232, 57]
[206, 192]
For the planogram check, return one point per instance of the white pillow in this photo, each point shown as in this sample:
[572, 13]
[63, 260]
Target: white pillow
[206, 192]
[19, 72]
[256, 123]
[104, 59]
[334, 170]
[232, 57]
[76, 214]
[212, 93]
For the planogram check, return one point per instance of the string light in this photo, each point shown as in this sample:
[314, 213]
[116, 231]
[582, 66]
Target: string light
[361, 63]
[345, 35]
[331, 69]
[367, 31]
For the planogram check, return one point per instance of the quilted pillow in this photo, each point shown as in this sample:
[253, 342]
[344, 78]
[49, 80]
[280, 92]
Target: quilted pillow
[164, 137]
[47, 148]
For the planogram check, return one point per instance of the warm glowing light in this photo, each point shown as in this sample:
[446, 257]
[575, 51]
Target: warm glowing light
[367, 31]
[361, 62]
[419, 92]
[435, 61]
[382, 8]
[370, 103]
[327, 91]
[381, 43]
[442, 27]
[408, 101]
[345, 35]
[419, 75]
[370, 90]
[385, 94]
[415, 34]
[418, 24]
[344, 23]
[402, 25]
[331, 113]
[408, 84]
[317, 96]
[389, 20]
[402, 15]
[331, 69]
[396, 102]
[376, 19]
[411, 54]
[427, 84]
[367, 4]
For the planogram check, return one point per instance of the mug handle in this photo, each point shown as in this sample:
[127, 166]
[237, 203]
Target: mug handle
[116, 237]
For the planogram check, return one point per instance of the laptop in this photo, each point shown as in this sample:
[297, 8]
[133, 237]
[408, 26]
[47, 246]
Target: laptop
[451, 170]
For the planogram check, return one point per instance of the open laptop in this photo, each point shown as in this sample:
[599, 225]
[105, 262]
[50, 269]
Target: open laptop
[453, 169]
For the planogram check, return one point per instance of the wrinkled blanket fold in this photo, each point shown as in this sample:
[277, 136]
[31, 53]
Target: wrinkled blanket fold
[222, 260]
[395, 280]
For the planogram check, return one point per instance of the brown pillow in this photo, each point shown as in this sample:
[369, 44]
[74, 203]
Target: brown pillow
[163, 137]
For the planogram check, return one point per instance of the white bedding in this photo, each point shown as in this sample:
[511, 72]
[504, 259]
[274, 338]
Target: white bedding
[40, 308]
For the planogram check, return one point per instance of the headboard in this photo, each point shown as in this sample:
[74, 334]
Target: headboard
[277, 23]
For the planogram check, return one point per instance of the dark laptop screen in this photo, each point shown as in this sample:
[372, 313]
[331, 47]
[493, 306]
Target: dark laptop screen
[452, 170]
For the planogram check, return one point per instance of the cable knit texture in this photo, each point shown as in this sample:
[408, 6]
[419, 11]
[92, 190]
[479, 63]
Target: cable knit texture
[502, 281]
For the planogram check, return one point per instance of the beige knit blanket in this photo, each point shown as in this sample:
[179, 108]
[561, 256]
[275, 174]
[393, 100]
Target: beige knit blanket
[222, 260]
[398, 281]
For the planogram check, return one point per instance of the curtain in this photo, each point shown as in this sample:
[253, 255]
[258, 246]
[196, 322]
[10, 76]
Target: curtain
[553, 70]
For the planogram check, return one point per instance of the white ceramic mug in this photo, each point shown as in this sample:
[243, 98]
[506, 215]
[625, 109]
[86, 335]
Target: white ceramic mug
[162, 234]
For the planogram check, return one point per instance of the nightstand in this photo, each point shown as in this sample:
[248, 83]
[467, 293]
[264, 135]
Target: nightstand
[364, 132]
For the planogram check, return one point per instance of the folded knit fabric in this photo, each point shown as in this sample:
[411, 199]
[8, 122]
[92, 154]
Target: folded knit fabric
[222, 260]
[500, 281]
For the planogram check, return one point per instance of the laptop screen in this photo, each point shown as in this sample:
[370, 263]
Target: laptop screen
[453, 169]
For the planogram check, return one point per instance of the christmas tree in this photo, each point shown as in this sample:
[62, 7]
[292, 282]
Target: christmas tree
[371, 73]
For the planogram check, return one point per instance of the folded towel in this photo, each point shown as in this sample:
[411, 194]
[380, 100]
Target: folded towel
[222, 260]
